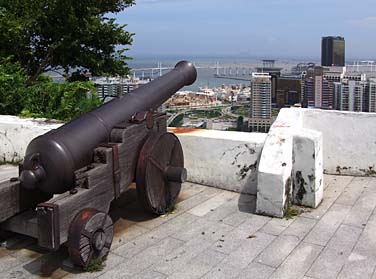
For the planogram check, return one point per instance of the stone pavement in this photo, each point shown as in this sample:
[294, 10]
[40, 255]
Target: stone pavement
[213, 234]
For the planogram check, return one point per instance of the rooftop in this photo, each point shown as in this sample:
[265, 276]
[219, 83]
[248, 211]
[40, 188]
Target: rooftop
[214, 233]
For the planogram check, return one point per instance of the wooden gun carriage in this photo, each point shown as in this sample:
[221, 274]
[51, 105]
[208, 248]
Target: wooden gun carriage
[137, 149]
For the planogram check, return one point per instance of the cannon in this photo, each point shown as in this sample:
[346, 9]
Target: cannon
[70, 176]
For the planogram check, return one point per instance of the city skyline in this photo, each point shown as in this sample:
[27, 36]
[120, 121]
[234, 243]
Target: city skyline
[278, 29]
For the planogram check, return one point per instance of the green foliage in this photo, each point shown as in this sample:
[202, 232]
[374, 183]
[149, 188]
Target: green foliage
[241, 110]
[291, 212]
[44, 35]
[205, 113]
[12, 87]
[95, 265]
[64, 101]
[44, 98]
[239, 123]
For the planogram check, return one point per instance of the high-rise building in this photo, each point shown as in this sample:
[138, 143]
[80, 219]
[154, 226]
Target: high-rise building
[111, 87]
[333, 51]
[289, 91]
[268, 66]
[349, 95]
[261, 103]
[317, 90]
[371, 96]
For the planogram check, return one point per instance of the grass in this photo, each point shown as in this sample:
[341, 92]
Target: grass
[292, 211]
[241, 110]
[205, 113]
[170, 210]
[95, 265]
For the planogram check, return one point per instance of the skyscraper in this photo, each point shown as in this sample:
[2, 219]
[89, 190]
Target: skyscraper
[317, 90]
[349, 95]
[261, 103]
[333, 51]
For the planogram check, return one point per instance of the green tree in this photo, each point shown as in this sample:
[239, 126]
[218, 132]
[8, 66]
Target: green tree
[12, 87]
[239, 123]
[72, 35]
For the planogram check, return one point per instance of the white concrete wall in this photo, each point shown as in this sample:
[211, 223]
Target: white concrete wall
[349, 140]
[226, 160]
[16, 133]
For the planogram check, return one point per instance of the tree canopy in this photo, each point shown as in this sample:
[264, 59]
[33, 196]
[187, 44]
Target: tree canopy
[68, 35]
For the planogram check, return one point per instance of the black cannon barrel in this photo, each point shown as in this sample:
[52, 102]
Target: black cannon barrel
[52, 158]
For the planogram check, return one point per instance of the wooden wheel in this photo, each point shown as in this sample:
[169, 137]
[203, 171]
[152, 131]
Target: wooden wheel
[90, 236]
[160, 172]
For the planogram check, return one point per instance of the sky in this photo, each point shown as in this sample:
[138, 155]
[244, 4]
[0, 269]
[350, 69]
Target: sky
[250, 28]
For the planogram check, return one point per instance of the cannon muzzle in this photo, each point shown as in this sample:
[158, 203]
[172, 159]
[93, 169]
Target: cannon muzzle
[52, 159]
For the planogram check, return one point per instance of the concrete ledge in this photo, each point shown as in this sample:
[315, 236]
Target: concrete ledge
[226, 160]
[349, 140]
[16, 133]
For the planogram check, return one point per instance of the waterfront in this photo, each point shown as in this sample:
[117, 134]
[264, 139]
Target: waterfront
[206, 68]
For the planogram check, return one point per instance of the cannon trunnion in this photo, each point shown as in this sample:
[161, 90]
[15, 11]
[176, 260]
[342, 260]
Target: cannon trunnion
[137, 149]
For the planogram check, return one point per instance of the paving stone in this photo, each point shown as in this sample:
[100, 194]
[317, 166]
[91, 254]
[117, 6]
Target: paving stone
[48, 265]
[256, 271]
[7, 261]
[353, 191]
[236, 218]
[177, 223]
[298, 262]
[371, 183]
[362, 210]
[174, 261]
[335, 254]
[300, 227]
[201, 197]
[331, 194]
[123, 233]
[222, 271]
[328, 225]
[199, 265]
[211, 204]
[362, 261]
[278, 250]
[144, 260]
[220, 213]
[276, 226]
[135, 246]
[248, 250]
[247, 203]
[189, 189]
[150, 274]
[236, 237]
[338, 184]
[111, 263]
[204, 229]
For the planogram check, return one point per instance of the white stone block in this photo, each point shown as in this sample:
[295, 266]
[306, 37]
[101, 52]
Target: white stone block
[274, 183]
[226, 160]
[307, 174]
[16, 133]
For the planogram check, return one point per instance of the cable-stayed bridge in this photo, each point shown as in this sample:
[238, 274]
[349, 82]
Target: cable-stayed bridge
[226, 72]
